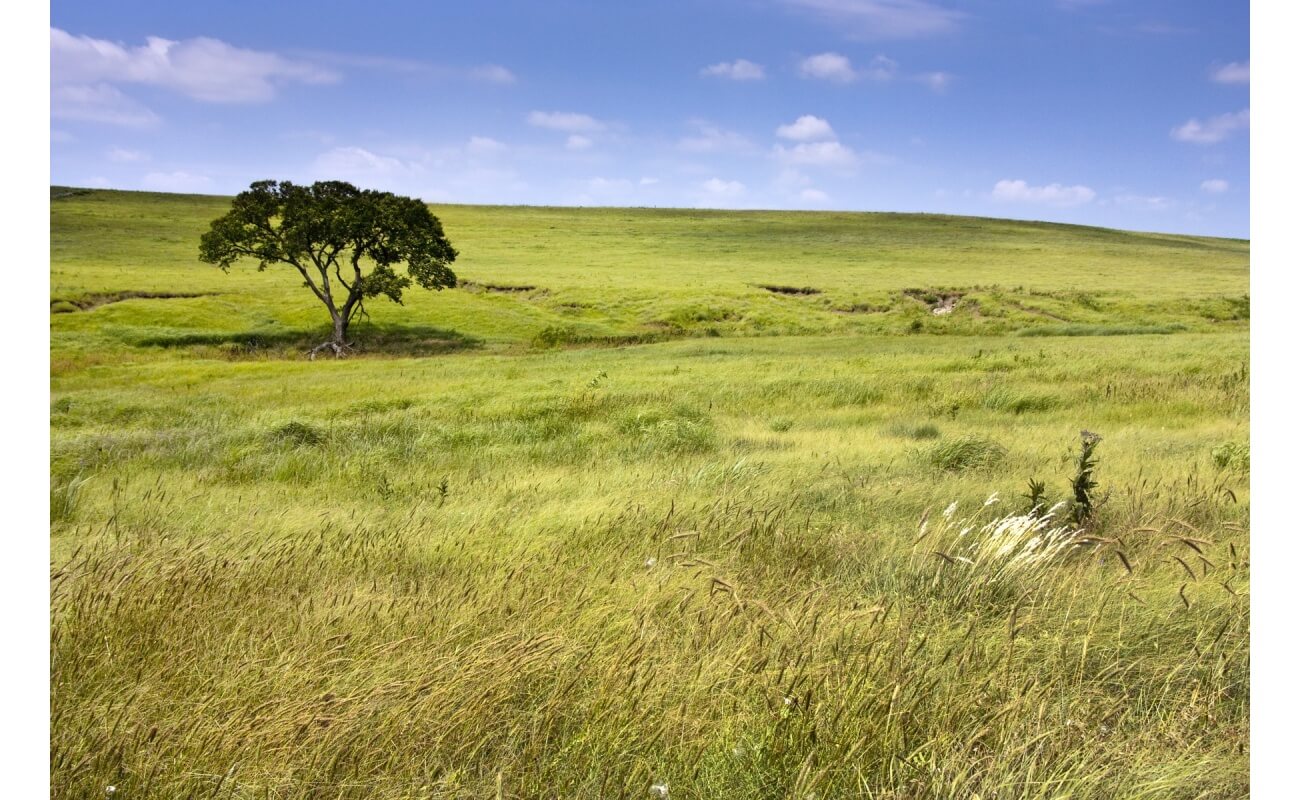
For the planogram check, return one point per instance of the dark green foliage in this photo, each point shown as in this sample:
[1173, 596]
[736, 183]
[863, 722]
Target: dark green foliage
[1083, 485]
[330, 229]
[1035, 495]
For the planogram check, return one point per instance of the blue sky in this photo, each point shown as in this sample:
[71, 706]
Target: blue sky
[1123, 113]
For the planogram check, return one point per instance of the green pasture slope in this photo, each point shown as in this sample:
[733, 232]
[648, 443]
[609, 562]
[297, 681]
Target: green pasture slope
[613, 515]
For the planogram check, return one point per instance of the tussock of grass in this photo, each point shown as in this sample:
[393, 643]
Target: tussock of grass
[1232, 456]
[675, 431]
[909, 430]
[298, 434]
[1014, 402]
[964, 453]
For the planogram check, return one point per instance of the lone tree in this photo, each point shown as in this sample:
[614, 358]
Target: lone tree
[345, 243]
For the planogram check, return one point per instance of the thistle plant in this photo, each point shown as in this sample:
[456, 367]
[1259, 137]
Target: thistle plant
[1083, 484]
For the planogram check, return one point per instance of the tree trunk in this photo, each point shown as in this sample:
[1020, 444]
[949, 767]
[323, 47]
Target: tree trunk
[338, 341]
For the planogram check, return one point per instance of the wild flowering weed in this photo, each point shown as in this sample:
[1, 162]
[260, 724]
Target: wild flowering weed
[973, 565]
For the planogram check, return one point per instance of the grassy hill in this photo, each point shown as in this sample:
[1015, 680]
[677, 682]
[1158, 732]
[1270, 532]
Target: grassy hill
[613, 514]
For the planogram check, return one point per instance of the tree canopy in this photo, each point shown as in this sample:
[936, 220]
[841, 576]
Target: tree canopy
[346, 244]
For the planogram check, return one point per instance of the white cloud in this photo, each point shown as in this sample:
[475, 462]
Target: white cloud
[1213, 130]
[828, 67]
[61, 136]
[1054, 194]
[1214, 186]
[484, 146]
[123, 156]
[818, 154]
[648, 181]
[174, 182]
[1232, 73]
[577, 142]
[709, 138]
[203, 69]
[883, 19]
[99, 103]
[567, 121]
[813, 196]
[493, 73]
[881, 69]
[806, 129]
[738, 70]
[718, 188]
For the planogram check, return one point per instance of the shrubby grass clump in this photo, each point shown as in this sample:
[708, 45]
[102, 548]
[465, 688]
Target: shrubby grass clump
[297, 434]
[1232, 456]
[677, 430]
[909, 430]
[964, 452]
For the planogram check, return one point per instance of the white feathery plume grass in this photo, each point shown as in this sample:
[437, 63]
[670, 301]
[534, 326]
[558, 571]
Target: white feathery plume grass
[976, 562]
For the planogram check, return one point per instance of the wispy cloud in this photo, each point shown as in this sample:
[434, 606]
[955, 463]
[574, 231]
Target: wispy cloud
[937, 81]
[883, 19]
[1145, 202]
[121, 155]
[99, 103]
[1053, 194]
[352, 161]
[484, 146]
[709, 138]
[567, 121]
[818, 154]
[1212, 130]
[718, 188]
[578, 142]
[739, 70]
[1231, 73]
[493, 73]
[838, 68]
[1214, 186]
[204, 69]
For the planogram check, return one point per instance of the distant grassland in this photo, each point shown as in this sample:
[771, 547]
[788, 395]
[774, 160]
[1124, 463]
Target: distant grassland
[613, 514]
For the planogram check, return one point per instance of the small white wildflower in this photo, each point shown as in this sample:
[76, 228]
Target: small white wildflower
[659, 789]
[993, 498]
[650, 562]
[109, 790]
[789, 702]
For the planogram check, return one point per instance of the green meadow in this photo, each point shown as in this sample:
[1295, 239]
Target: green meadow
[718, 504]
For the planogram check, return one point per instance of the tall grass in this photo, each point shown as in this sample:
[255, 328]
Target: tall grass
[630, 556]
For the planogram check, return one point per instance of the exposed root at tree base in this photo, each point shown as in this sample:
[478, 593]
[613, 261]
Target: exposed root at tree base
[339, 350]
